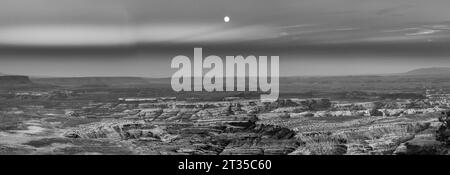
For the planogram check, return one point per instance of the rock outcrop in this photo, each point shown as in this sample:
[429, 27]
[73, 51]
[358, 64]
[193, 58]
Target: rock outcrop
[14, 80]
[194, 131]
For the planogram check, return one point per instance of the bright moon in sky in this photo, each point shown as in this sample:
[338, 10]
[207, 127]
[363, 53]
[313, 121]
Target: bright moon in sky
[226, 19]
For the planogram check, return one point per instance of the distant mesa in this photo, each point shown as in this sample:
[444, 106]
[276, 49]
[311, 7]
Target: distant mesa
[13, 80]
[101, 82]
[429, 71]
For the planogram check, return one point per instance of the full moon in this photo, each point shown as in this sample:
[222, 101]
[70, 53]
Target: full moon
[226, 19]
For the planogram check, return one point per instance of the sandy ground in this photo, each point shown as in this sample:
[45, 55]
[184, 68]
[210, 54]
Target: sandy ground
[35, 130]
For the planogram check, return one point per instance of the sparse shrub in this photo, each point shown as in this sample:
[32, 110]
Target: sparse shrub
[443, 133]
[324, 144]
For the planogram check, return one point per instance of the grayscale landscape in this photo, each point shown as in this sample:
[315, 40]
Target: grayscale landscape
[356, 77]
[342, 115]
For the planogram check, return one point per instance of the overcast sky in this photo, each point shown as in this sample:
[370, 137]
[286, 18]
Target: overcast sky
[140, 37]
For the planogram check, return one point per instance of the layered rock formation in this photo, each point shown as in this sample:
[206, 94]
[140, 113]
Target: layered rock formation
[223, 130]
[14, 80]
[229, 128]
